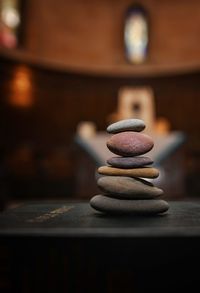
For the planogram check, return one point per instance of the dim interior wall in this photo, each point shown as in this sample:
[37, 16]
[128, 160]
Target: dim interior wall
[89, 34]
[61, 100]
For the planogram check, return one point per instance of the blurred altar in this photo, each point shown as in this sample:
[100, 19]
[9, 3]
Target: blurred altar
[167, 153]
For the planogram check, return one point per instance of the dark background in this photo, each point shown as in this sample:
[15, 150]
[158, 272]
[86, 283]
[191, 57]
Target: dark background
[69, 66]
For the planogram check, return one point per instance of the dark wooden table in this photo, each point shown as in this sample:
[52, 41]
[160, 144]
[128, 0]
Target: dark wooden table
[66, 246]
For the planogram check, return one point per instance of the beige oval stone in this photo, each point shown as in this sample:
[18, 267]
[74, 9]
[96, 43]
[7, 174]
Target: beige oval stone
[126, 125]
[146, 172]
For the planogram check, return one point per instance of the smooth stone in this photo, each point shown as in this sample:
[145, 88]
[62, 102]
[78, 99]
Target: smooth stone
[127, 187]
[129, 162]
[109, 205]
[130, 144]
[125, 125]
[146, 172]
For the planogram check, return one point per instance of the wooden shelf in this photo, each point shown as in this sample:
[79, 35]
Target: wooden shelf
[148, 69]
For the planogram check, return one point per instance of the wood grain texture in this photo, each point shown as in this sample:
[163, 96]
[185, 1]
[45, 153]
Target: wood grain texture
[88, 35]
[113, 252]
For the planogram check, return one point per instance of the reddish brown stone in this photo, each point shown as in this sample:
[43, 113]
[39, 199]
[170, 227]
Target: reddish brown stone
[130, 143]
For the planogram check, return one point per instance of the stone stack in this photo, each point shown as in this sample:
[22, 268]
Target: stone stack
[124, 189]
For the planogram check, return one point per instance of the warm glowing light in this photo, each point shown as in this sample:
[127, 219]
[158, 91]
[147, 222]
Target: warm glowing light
[21, 88]
[136, 34]
[10, 17]
[22, 81]
[9, 23]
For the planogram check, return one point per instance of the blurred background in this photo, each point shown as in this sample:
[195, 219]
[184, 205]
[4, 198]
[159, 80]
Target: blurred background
[69, 68]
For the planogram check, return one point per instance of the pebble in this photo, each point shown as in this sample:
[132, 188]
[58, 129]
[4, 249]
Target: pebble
[130, 143]
[125, 125]
[131, 207]
[127, 187]
[129, 162]
[146, 172]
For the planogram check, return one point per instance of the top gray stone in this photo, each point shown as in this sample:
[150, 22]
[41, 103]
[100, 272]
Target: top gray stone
[126, 125]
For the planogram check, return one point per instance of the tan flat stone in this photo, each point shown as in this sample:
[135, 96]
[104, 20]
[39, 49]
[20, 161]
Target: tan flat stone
[146, 172]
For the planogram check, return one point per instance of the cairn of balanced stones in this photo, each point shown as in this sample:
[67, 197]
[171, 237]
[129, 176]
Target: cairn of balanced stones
[122, 181]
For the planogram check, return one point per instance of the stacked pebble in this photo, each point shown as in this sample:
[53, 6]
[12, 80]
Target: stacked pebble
[124, 189]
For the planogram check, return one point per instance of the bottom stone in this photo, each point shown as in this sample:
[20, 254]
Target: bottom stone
[110, 205]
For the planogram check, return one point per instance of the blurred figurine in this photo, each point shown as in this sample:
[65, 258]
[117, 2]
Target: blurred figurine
[139, 103]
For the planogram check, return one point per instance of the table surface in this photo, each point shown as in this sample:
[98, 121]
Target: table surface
[78, 219]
